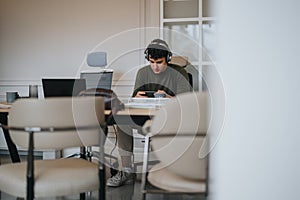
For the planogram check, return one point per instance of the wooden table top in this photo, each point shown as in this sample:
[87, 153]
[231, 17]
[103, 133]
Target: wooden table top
[4, 107]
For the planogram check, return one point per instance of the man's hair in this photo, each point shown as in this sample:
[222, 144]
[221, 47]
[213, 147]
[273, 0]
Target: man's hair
[158, 49]
[157, 53]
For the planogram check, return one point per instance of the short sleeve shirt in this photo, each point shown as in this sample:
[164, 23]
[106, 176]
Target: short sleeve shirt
[174, 80]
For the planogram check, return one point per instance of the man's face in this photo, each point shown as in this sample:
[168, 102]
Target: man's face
[159, 65]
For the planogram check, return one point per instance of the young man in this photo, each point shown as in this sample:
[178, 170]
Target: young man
[160, 77]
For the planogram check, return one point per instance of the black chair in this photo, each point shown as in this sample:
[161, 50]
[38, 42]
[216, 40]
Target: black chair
[182, 61]
[112, 103]
[190, 79]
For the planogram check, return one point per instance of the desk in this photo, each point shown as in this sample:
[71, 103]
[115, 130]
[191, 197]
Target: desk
[127, 116]
[134, 116]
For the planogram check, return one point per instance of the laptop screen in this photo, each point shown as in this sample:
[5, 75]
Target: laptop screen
[57, 87]
[97, 79]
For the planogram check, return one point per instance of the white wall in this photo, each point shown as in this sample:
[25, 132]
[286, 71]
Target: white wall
[257, 156]
[51, 38]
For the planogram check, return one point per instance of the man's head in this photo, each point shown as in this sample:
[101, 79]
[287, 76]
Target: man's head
[158, 54]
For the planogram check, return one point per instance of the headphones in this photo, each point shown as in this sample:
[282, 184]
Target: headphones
[159, 44]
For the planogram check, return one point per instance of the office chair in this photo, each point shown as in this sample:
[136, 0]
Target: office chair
[178, 136]
[55, 123]
[112, 103]
[182, 61]
[191, 79]
[97, 78]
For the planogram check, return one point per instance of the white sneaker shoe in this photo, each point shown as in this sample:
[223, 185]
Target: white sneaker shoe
[121, 178]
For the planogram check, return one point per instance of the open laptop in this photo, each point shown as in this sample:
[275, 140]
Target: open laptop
[62, 87]
[101, 79]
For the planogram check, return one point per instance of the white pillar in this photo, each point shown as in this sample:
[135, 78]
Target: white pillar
[258, 154]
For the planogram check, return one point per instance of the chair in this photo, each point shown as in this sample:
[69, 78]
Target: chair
[114, 104]
[190, 79]
[55, 123]
[101, 78]
[182, 61]
[178, 142]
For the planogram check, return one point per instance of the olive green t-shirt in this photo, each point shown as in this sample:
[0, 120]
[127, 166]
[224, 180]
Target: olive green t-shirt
[174, 80]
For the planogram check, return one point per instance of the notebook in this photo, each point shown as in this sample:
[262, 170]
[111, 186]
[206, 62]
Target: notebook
[62, 87]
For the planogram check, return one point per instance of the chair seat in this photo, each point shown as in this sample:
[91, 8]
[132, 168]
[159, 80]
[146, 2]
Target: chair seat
[60, 177]
[163, 178]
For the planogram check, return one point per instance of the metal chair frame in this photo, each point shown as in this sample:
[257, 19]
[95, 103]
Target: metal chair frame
[30, 158]
[146, 187]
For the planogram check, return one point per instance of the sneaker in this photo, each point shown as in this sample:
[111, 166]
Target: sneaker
[121, 178]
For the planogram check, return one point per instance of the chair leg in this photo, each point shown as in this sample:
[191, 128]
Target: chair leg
[30, 169]
[145, 167]
[144, 196]
[82, 196]
[102, 182]
[101, 173]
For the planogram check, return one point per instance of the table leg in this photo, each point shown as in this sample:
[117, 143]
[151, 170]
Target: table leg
[14, 155]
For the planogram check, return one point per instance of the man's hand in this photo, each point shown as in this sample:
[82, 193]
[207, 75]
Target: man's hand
[141, 94]
[163, 92]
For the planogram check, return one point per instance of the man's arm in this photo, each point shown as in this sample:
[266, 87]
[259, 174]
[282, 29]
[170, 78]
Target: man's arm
[139, 82]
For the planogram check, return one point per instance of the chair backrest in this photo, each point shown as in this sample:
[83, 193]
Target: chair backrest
[179, 133]
[97, 59]
[60, 112]
[182, 61]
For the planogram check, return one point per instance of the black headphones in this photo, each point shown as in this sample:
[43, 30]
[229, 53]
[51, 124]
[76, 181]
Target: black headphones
[159, 44]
